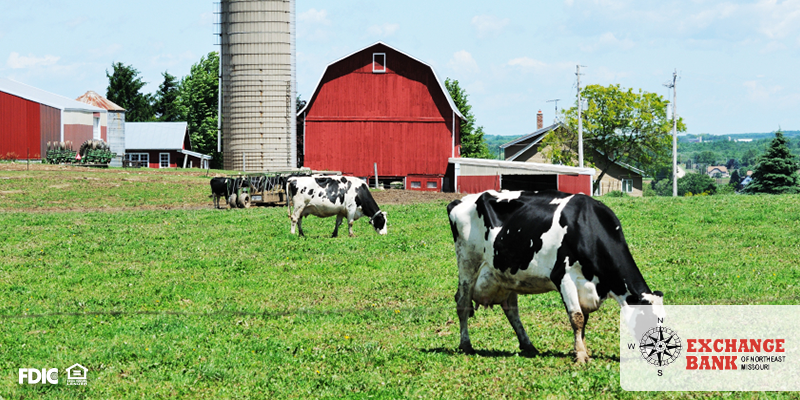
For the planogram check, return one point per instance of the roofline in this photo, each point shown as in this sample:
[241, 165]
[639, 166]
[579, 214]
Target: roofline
[563, 169]
[532, 134]
[195, 154]
[89, 107]
[441, 84]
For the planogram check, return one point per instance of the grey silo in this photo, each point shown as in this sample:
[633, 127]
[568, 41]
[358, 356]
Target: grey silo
[257, 62]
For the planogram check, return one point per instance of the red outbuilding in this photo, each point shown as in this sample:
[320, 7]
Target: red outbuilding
[382, 106]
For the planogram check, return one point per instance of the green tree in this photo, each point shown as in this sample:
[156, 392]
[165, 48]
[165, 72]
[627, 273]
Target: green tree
[472, 142]
[707, 157]
[776, 171]
[696, 184]
[166, 106]
[623, 126]
[124, 89]
[198, 102]
[736, 180]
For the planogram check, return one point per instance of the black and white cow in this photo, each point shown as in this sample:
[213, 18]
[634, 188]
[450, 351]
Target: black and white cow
[220, 187]
[510, 243]
[326, 196]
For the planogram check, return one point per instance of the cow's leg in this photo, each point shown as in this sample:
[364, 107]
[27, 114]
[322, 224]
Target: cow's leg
[339, 220]
[467, 276]
[300, 226]
[297, 216]
[511, 308]
[350, 227]
[569, 294]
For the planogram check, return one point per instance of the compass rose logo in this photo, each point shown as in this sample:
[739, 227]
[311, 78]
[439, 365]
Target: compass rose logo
[660, 346]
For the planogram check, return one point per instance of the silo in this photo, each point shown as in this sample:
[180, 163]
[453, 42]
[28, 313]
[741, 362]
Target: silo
[257, 57]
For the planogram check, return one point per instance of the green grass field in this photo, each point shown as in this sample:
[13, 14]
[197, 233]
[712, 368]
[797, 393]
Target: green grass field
[161, 296]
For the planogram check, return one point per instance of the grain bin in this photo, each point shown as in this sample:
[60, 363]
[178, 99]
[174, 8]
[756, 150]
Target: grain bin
[257, 56]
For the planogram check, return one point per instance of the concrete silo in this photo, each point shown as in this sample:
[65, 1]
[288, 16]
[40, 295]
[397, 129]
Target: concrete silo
[257, 62]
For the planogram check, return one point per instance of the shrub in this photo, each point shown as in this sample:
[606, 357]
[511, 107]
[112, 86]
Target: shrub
[616, 193]
[696, 183]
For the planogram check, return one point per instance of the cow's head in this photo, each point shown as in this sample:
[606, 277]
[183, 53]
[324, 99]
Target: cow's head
[379, 222]
[640, 319]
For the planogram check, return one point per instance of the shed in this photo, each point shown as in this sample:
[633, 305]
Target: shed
[31, 117]
[381, 106]
[116, 123]
[162, 145]
[473, 175]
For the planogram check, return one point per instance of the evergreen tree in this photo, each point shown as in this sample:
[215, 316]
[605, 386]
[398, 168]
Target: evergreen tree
[124, 89]
[472, 141]
[166, 105]
[736, 180]
[776, 171]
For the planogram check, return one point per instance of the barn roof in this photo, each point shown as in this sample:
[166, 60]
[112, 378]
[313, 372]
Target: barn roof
[441, 84]
[155, 135]
[93, 98]
[43, 97]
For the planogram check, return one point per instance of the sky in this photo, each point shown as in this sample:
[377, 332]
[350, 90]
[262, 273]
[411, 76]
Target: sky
[737, 61]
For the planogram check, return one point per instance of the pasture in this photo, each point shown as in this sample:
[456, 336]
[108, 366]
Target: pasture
[134, 275]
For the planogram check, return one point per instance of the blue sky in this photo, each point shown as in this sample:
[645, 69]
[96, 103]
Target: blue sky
[737, 61]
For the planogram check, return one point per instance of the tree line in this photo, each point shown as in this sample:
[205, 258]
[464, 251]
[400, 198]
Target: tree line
[192, 99]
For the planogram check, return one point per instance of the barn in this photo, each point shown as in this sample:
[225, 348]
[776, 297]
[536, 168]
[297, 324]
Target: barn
[381, 107]
[31, 117]
[116, 124]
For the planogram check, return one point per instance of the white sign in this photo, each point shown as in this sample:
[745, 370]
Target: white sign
[710, 348]
[32, 376]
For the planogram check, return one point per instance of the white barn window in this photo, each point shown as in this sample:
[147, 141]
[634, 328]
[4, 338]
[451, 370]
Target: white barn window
[163, 160]
[627, 185]
[378, 63]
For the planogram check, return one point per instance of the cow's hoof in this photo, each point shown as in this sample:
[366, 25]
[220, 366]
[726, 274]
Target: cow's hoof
[529, 350]
[466, 348]
[582, 358]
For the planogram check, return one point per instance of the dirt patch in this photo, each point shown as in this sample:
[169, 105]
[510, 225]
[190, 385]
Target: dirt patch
[396, 196]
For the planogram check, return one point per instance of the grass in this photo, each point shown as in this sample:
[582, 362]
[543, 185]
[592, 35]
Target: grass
[200, 303]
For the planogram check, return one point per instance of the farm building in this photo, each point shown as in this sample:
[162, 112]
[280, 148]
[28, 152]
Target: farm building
[162, 145]
[382, 106]
[31, 117]
[115, 135]
[618, 176]
[474, 175]
[720, 170]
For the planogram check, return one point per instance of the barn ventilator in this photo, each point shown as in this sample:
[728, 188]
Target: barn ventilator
[260, 189]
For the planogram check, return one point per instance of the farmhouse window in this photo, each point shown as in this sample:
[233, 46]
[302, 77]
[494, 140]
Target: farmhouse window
[416, 184]
[627, 185]
[378, 63]
[143, 158]
[431, 185]
[163, 159]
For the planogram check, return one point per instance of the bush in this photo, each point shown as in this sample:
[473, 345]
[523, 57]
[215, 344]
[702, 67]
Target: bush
[616, 193]
[648, 191]
[696, 184]
[663, 187]
[725, 189]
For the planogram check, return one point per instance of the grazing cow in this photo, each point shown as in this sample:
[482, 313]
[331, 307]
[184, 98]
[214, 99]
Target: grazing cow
[324, 196]
[510, 243]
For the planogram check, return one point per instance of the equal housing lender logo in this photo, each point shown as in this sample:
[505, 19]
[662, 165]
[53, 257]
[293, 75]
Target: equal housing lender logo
[685, 348]
[75, 375]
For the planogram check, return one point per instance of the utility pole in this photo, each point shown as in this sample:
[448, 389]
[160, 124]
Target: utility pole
[556, 114]
[673, 85]
[580, 120]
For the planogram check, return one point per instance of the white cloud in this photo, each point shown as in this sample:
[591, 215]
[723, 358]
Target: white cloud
[314, 16]
[463, 63]
[758, 92]
[16, 61]
[313, 24]
[526, 63]
[489, 25]
[386, 29]
[608, 41]
[77, 21]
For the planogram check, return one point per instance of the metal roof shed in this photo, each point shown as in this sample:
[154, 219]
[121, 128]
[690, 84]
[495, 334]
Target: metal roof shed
[474, 175]
[162, 145]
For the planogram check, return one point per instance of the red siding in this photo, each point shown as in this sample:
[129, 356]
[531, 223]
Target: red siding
[399, 119]
[425, 183]
[477, 184]
[104, 133]
[50, 123]
[19, 127]
[575, 184]
[77, 134]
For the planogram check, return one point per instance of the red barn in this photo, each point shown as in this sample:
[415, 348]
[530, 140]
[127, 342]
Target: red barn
[380, 105]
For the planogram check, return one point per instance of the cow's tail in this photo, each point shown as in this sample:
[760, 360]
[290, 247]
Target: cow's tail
[289, 197]
[453, 227]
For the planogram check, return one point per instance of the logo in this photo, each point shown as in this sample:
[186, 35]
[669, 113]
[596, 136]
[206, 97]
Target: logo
[660, 346]
[77, 374]
[33, 376]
